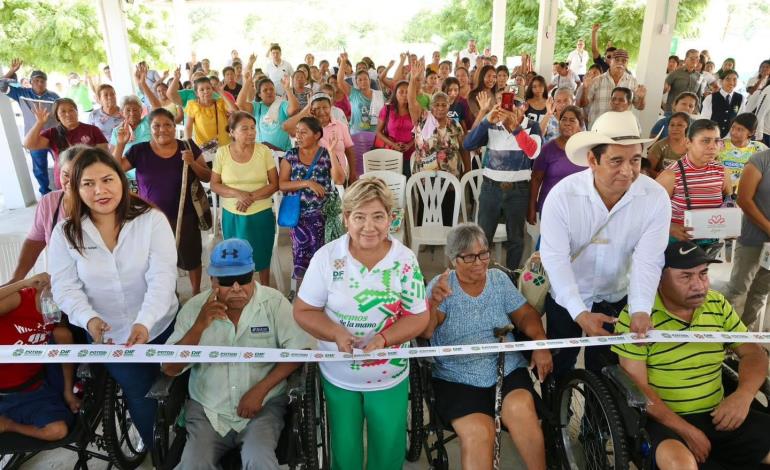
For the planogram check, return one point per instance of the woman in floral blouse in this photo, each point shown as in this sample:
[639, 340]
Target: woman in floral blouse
[309, 156]
[438, 138]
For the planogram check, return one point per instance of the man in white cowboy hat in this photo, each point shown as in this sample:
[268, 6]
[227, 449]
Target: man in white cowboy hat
[604, 231]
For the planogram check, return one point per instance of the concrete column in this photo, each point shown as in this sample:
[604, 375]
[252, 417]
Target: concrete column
[182, 34]
[498, 30]
[546, 38]
[14, 179]
[113, 23]
[657, 31]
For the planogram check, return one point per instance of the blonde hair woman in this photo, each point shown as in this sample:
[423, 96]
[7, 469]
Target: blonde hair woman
[364, 290]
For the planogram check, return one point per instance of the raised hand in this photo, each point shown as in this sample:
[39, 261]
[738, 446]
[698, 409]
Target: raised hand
[595, 27]
[140, 74]
[252, 59]
[641, 91]
[41, 113]
[484, 101]
[549, 106]
[124, 133]
[178, 73]
[286, 82]
[16, 65]
[441, 290]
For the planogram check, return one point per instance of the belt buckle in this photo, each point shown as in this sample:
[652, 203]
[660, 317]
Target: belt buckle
[506, 186]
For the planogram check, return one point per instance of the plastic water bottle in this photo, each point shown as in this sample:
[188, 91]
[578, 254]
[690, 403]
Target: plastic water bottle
[49, 309]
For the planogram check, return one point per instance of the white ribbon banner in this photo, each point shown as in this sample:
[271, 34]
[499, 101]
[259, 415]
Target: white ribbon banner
[102, 353]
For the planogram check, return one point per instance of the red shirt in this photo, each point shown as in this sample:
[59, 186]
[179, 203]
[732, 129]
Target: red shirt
[83, 134]
[23, 325]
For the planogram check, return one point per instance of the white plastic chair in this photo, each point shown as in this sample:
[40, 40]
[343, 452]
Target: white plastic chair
[473, 180]
[384, 159]
[10, 247]
[397, 184]
[431, 186]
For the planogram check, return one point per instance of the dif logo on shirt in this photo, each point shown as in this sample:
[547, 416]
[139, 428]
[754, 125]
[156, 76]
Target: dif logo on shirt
[339, 270]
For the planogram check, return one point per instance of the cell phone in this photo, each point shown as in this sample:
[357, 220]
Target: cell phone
[507, 102]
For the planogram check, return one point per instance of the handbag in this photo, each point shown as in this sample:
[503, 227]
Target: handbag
[199, 198]
[712, 246]
[533, 280]
[288, 212]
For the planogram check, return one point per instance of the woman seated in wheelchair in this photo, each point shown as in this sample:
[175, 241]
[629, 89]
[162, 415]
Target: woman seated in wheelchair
[32, 402]
[364, 290]
[466, 305]
[235, 404]
[692, 424]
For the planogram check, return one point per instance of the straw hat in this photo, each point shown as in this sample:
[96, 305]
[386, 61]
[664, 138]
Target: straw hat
[610, 128]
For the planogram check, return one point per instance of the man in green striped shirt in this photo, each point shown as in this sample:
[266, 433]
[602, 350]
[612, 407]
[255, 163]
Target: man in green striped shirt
[691, 421]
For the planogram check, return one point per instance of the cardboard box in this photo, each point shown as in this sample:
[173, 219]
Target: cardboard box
[714, 223]
[764, 257]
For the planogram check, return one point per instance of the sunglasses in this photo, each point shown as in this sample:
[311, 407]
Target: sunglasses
[242, 279]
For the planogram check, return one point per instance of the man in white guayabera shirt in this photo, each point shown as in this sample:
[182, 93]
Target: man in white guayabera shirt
[604, 231]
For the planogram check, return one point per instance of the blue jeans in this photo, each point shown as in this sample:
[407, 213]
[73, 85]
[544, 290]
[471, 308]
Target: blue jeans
[40, 169]
[513, 200]
[136, 380]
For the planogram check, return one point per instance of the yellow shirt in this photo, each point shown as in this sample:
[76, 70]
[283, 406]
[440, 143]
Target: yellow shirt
[249, 176]
[205, 126]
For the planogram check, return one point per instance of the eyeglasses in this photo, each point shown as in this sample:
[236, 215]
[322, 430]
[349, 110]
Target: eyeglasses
[471, 258]
[229, 281]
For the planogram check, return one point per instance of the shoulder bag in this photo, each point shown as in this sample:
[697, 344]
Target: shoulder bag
[198, 197]
[533, 280]
[288, 213]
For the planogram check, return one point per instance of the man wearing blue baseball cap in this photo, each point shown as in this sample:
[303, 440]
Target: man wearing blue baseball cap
[693, 424]
[235, 404]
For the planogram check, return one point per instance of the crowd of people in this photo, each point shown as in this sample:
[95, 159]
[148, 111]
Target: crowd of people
[565, 152]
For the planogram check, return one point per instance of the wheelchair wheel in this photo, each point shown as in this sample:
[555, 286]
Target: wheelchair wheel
[416, 427]
[592, 433]
[124, 445]
[314, 423]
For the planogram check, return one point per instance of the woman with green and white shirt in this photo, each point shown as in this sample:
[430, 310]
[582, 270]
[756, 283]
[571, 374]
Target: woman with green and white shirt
[364, 291]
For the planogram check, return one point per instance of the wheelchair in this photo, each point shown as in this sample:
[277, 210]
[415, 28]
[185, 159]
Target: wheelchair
[436, 434]
[304, 443]
[601, 418]
[103, 405]
[297, 445]
[313, 423]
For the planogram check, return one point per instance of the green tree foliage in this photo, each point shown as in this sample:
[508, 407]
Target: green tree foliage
[64, 36]
[621, 23]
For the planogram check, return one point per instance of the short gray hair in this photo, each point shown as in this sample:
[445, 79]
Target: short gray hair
[67, 155]
[564, 90]
[462, 237]
[130, 99]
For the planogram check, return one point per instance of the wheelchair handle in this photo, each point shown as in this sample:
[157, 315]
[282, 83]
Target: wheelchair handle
[503, 331]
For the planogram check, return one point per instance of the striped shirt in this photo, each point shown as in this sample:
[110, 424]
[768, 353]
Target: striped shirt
[686, 376]
[704, 185]
[600, 93]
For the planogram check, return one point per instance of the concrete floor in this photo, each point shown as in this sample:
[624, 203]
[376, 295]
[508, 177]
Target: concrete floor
[432, 262]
